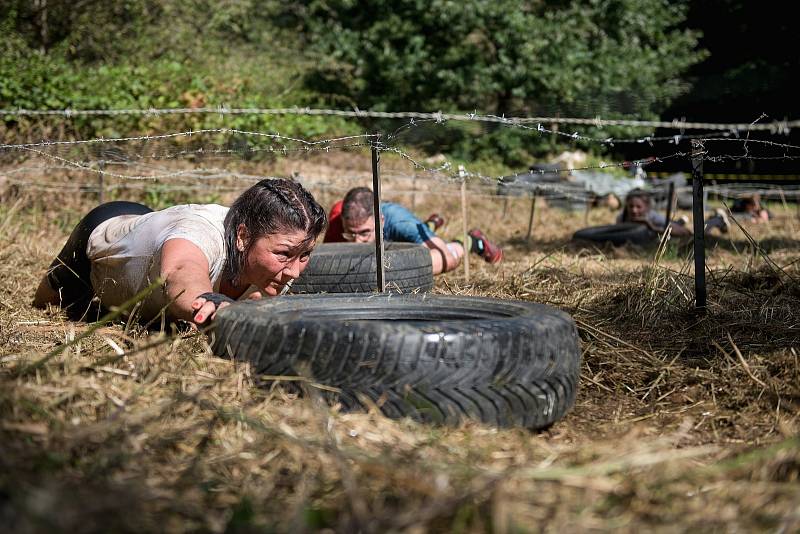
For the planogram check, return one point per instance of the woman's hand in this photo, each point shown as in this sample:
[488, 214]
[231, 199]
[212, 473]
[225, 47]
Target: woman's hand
[206, 306]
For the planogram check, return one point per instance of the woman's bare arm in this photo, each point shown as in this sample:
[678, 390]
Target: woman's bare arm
[185, 271]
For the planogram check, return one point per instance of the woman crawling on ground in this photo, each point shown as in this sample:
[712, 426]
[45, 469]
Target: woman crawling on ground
[638, 208]
[207, 255]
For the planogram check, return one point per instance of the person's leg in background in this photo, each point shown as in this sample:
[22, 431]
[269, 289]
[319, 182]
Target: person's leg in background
[434, 221]
[479, 244]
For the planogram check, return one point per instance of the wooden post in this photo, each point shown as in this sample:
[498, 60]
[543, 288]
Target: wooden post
[414, 193]
[533, 212]
[463, 175]
[505, 206]
[376, 206]
[698, 213]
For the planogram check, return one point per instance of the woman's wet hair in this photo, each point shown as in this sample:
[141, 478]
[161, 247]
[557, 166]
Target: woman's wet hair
[269, 207]
[358, 204]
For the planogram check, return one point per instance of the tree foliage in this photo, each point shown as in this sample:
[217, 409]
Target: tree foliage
[97, 30]
[512, 57]
[610, 58]
[502, 56]
[140, 54]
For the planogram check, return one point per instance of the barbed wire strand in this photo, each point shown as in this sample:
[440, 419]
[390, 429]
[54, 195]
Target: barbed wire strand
[516, 123]
[779, 127]
[436, 172]
[546, 191]
[189, 133]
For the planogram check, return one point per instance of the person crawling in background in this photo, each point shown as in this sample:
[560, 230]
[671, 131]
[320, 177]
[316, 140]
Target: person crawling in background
[746, 209]
[352, 219]
[638, 208]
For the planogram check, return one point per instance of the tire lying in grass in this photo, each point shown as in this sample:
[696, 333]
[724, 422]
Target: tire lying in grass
[618, 234]
[434, 358]
[350, 268]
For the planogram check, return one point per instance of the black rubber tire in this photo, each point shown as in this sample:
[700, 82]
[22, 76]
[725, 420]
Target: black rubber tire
[434, 358]
[618, 234]
[350, 268]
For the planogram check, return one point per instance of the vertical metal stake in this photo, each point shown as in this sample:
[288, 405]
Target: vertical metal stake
[376, 206]
[698, 212]
[670, 204]
[530, 219]
[463, 175]
[100, 193]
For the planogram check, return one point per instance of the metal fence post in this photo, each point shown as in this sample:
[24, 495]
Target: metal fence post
[376, 205]
[698, 213]
[462, 174]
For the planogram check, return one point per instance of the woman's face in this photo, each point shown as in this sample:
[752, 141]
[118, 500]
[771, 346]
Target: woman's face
[637, 207]
[276, 259]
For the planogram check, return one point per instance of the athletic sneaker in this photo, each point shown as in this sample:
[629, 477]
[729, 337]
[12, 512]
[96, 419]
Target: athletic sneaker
[485, 248]
[434, 221]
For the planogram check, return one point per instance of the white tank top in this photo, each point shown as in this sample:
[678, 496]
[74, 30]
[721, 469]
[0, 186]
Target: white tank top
[125, 251]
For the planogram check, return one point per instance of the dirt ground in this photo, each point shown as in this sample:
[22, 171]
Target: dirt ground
[684, 421]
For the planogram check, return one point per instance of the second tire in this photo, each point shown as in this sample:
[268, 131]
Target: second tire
[351, 268]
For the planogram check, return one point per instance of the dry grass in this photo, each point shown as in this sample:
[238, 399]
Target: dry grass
[683, 421]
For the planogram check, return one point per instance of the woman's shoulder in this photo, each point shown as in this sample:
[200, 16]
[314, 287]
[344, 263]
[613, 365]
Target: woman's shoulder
[196, 207]
[208, 211]
[188, 219]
